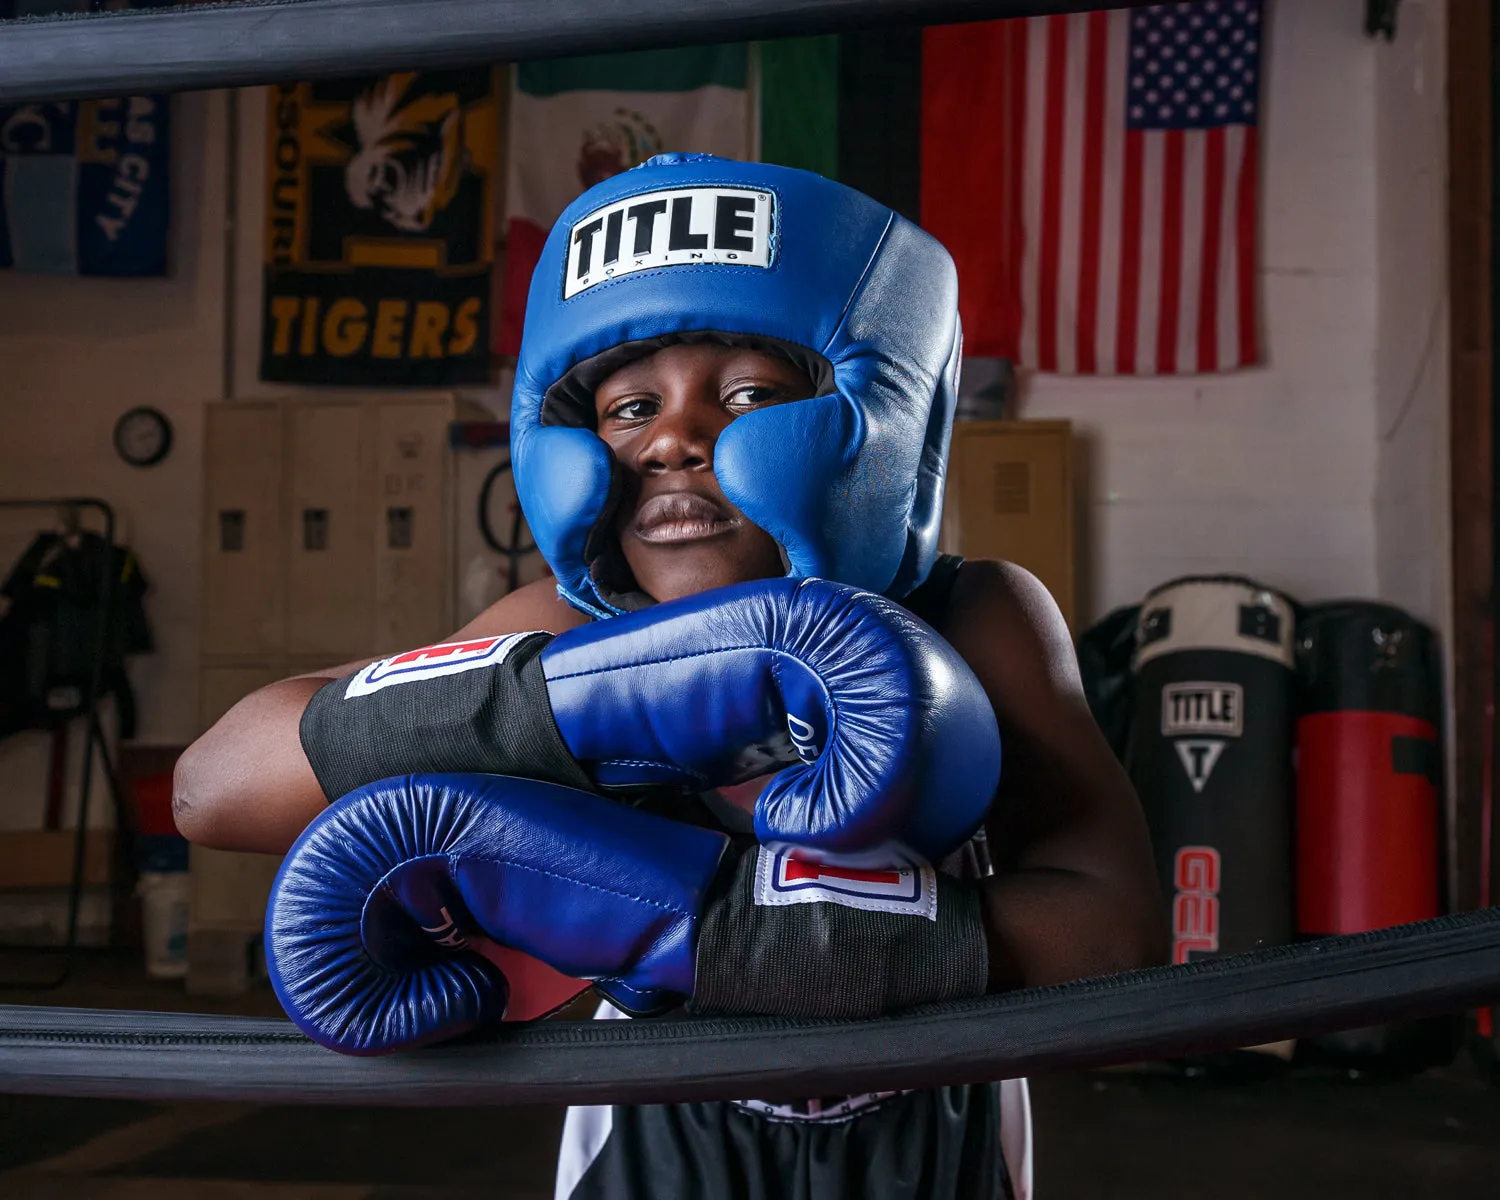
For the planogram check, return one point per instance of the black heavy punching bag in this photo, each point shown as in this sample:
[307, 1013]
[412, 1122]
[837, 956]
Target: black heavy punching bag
[1368, 825]
[1210, 755]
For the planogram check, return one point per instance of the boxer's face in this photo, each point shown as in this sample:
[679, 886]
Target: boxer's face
[662, 416]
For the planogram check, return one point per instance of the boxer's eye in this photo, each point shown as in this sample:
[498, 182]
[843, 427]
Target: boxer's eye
[743, 399]
[632, 410]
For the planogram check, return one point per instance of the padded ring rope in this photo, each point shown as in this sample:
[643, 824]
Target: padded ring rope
[1444, 965]
[265, 41]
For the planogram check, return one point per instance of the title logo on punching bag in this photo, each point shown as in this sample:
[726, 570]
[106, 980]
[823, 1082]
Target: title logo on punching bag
[1216, 708]
[1196, 708]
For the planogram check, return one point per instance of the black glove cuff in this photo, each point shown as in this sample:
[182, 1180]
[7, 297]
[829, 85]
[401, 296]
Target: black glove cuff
[828, 959]
[495, 719]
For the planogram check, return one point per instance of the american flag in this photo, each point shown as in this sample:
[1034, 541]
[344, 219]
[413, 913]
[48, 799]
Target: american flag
[1125, 189]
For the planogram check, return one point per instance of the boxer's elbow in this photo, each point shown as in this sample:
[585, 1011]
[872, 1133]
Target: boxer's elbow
[224, 800]
[1156, 945]
[1130, 931]
[231, 797]
[1141, 942]
[246, 784]
[1050, 926]
[201, 806]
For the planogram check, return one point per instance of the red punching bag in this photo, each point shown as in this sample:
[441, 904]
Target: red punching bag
[1368, 819]
[1367, 770]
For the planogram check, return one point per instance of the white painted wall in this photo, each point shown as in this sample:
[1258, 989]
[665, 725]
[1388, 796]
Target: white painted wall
[1269, 472]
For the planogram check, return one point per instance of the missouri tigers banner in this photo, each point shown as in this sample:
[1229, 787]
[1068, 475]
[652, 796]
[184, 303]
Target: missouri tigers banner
[380, 230]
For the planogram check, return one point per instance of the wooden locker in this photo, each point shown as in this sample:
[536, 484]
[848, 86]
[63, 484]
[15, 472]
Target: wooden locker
[243, 580]
[413, 525]
[1010, 496]
[327, 536]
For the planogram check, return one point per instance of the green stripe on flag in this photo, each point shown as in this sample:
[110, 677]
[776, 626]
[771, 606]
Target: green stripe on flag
[643, 71]
[799, 104]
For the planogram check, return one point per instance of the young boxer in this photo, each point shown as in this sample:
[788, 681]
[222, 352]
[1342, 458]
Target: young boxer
[729, 436]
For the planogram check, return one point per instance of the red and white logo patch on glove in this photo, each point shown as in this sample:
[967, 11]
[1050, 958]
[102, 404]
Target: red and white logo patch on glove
[786, 875]
[430, 662]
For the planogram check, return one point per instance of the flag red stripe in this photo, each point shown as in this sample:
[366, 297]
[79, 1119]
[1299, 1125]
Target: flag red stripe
[1208, 264]
[523, 248]
[1114, 266]
[1015, 35]
[1171, 252]
[1130, 253]
[964, 170]
[1091, 214]
[1245, 232]
[1052, 172]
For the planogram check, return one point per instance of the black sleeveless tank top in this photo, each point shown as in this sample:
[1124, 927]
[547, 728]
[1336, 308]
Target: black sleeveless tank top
[929, 601]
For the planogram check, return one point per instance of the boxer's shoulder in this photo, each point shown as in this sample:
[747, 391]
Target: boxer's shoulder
[1006, 625]
[985, 587]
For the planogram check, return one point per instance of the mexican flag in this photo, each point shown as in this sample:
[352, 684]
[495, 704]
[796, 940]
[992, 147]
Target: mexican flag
[574, 122]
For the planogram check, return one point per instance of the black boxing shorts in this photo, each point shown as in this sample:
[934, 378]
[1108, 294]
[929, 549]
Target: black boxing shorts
[955, 1143]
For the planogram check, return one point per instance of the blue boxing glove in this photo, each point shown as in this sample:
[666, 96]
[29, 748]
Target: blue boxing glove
[884, 735]
[880, 734]
[385, 919]
[381, 913]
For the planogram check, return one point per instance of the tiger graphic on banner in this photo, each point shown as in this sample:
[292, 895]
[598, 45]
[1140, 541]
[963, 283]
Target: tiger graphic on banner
[380, 229]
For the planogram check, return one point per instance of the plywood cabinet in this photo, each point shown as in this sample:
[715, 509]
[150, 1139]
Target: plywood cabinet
[1010, 496]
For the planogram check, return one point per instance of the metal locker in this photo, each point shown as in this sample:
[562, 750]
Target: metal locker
[327, 532]
[413, 534]
[243, 580]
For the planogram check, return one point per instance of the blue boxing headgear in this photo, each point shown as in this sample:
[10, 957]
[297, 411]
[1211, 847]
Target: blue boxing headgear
[691, 247]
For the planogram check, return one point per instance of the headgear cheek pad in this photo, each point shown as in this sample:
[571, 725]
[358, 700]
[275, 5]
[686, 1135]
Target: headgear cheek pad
[850, 483]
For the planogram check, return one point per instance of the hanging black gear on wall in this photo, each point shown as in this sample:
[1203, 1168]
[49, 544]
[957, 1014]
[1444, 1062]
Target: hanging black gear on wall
[50, 631]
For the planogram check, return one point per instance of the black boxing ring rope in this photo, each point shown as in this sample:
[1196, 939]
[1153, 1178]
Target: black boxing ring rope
[1409, 971]
[78, 56]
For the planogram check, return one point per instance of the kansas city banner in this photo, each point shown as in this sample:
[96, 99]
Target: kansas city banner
[84, 185]
[380, 230]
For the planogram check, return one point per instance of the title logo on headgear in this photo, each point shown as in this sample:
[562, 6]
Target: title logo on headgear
[669, 228]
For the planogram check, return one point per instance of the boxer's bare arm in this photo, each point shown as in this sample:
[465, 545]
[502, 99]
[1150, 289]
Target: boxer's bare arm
[1075, 891]
[247, 785]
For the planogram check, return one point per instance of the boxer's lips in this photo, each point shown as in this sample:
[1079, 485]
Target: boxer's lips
[679, 517]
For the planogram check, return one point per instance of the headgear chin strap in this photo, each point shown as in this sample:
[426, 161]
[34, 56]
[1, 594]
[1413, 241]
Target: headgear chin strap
[693, 247]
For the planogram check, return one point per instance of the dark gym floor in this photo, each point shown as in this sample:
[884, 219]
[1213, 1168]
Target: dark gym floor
[1114, 1135]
